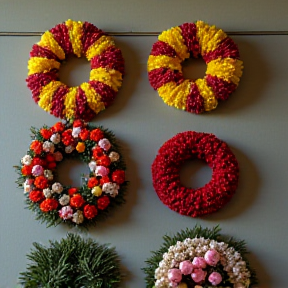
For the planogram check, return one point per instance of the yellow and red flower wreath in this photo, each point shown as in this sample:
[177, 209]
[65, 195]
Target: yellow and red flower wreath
[204, 200]
[103, 188]
[57, 45]
[219, 52]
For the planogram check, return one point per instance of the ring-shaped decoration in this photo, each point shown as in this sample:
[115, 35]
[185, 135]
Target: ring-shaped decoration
[219, 52]
[72, 262]
[188, 146]
[102, 189]
[78, 39]
[198, 258]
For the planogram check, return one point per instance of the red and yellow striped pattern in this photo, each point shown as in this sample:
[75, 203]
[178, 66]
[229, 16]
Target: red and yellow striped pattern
[76, 39]
[219, 52]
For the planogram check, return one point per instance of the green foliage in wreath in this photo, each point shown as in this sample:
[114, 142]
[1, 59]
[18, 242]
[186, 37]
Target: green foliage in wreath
[72, 263]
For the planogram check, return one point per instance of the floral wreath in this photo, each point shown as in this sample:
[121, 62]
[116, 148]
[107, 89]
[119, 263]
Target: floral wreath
[53, 202]
[219, 52]
[200, 258]
[72, 262]
[204, 200]
[65, 40]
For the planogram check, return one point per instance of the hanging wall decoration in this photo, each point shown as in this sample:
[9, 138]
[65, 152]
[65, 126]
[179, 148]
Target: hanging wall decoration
[103, 188]
[199, 258]
[65, 40]
[72, 262]
[199, 201]
[219, 52]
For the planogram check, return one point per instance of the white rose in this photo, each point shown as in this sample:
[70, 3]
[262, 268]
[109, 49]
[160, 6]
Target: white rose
[26, 160]
[110, 188]
[57, 187]
[47, 192]
[55, 138]
[64, 200]
[114, 156]
[76, 131]
[78, 217]
[48, 147]
[48, 174]
[69, 149]
[92, 165]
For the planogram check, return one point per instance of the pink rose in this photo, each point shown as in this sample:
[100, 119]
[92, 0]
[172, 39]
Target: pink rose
[199, 262]
[198, 275]
[104, 144]
[101, 171]
[174, 275]
[212, 257]
[186, 267]
[215, 278]
[66, 212]
[37, 170]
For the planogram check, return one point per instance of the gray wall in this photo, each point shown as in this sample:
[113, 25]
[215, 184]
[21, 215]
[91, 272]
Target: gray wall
[253, 122]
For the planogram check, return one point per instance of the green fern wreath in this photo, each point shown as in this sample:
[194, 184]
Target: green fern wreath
[181, 261]
[72, 263]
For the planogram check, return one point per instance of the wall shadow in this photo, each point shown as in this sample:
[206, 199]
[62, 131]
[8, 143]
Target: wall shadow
[246, 193]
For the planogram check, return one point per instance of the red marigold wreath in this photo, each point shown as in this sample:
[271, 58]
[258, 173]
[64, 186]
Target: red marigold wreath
[204, 200]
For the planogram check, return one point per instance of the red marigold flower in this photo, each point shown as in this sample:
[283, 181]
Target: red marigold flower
[50, 157]
[84, 134]
[36, 146]
[76, 201]
[36, 196]
[26, 170]
[97, 152]
[67, 137]
[58, 127]
[78, 123]
[92, 182]
[103, 202]
[45, 133]
[38, 161]
[51, 165]
[118, 176]
[104, 179]
[41, 182]
[49, 205]
[96, 135]
[72, 191]
[90, 211]
[104, 161]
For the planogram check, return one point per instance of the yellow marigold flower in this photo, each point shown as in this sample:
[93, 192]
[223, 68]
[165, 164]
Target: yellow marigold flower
[93, 98]
[70, 103]
[210, 101]
[111, 77]
[209, 37]
[80, 147]
[99, 46]
[75, 34]
[41, 65]
[163, 61]
[46, 94]
[228, 69]
[174, 95]
[174, 38]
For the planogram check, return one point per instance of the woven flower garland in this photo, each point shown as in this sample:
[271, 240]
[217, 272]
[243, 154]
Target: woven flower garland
[199, 258]
[219, 52]
[188, 146]
[103, 188]
[72, 262]
[78, 39]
